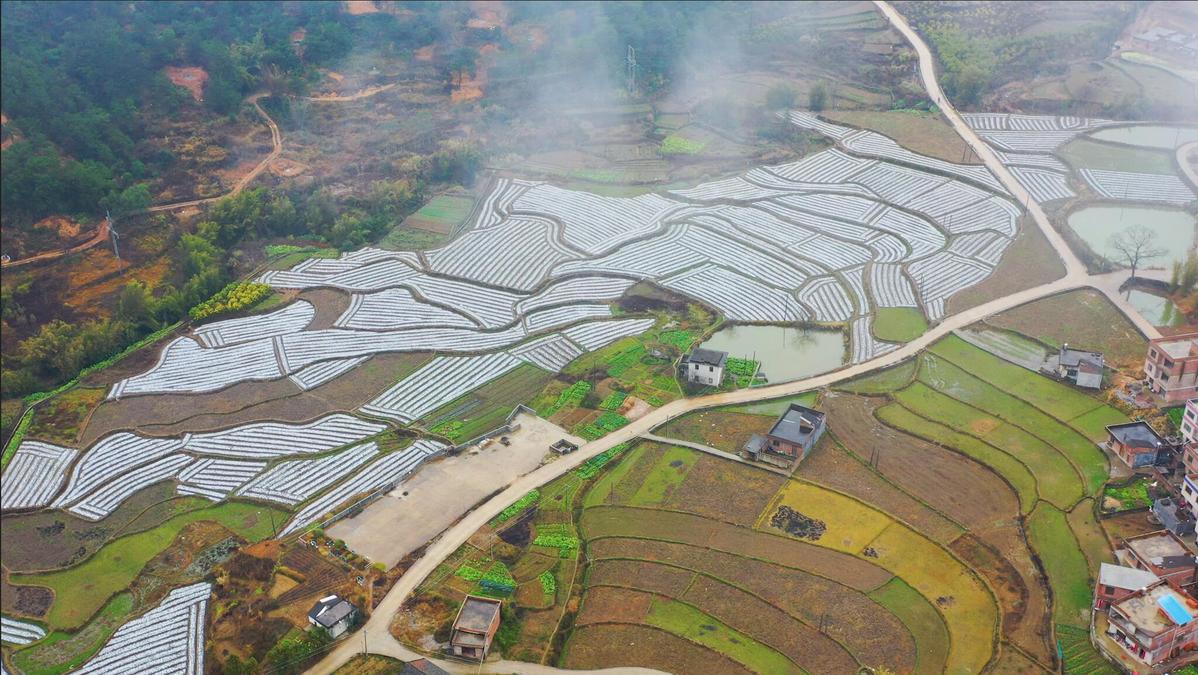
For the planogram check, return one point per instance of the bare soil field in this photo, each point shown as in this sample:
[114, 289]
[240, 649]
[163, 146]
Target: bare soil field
[616, 604]
[278, 400]
[52, 539]
[191, 78]
[923, 132]
[1027, 263]
[830, 465]
[607, 645]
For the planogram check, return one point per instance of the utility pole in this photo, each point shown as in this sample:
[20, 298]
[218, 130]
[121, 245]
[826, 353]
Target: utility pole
[630, 60]
[113, 236]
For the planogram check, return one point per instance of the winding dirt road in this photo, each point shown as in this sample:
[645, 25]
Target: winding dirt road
[98, 238]
[276, 140]
[378, 636]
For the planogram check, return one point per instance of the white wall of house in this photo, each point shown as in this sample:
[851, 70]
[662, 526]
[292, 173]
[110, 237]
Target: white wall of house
[702, 373]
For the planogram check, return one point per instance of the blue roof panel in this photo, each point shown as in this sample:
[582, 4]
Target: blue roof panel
[1175, 610]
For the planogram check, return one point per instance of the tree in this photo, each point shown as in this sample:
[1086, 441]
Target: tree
[1134, 246]
[780, 97]
[817, 98]
[1189, 274]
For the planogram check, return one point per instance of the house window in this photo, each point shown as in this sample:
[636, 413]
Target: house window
[1108, 590]
[711, 369]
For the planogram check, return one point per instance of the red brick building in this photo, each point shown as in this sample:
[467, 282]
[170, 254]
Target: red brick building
[1172, 367]
[1135, 443]
[1161, 553]
[1155, 624]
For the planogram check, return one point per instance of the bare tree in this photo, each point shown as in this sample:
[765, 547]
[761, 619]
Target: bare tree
[1134, 245]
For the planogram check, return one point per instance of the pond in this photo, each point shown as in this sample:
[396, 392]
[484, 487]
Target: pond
[786, 353]
[1174, 229]
[1158, 310]
[1149, 135]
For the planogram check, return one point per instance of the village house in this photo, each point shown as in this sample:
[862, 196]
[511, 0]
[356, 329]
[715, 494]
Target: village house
[705, 366]
[1077, 366]
[1116, 582]
[1174, 515]
[475, 627]
[334, 614]
[1135, 443]
[1161, 553]
[790, 439]
[1154, 624]
[1189, 492]
[1189, 457]
[1172, 367]
[1189, 422]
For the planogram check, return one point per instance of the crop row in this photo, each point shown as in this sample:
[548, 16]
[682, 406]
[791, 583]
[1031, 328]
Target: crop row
[166, 639]
[1138, 186]
[16, 632]
[295, 481]
[383, 472]
[396, 308]
[1044, 185]
[34, 474]
[292, 318]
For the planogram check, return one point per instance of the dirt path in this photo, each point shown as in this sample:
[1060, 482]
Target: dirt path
[98, 238]
[276, 140]
[927, 71]
[365, 93]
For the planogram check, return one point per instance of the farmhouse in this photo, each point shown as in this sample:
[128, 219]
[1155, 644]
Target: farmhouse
[1174, 515]
[1189, 493]
[1161, 553]
[705, 366]
[332, 613]
[1154, 624]
[790, 439]
[1116, 582]
[1135, 443]
[1172, 367]
[475, 627]
[1079, 367]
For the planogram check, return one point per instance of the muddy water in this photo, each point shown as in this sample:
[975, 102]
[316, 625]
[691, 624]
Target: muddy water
[1149, 136]
[1158, 310]
[785, 353]
[1174, 229]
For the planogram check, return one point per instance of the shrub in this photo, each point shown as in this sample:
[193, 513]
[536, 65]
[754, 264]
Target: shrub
[548, 583]
[592, 466]
[517, 508]
[236, 296]
[614, 400]
[469, 573]
[677, 145]
[571, 397]
[450, 429]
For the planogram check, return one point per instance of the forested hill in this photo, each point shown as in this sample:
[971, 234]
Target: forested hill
[83, 85]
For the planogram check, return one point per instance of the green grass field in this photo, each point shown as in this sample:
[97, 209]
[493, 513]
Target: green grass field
[956, 382]
[686, 621]
[1053, 398]
[1057, 480]
[447, 210]
[921, 618]
[1084, 153]
[899, 324]
[883, 381]
[60, 651]
[81, 590]
[1065, 564]
[667, 474]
